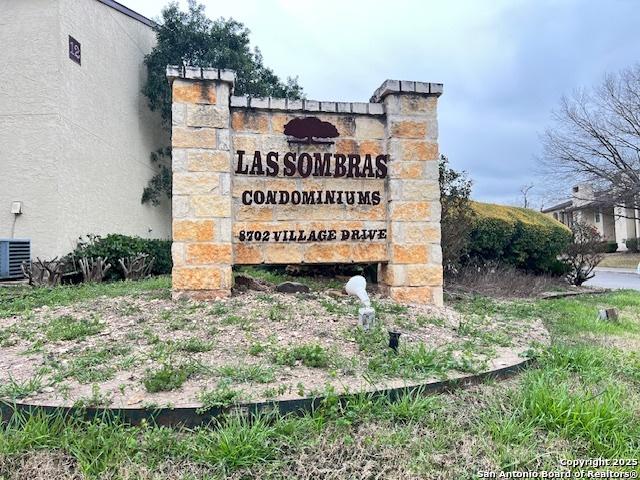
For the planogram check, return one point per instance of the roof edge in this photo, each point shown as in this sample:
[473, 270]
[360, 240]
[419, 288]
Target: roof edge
[557, 206]
[128, 12]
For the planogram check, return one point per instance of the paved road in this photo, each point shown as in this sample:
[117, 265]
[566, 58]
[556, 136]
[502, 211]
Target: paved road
[615, 278]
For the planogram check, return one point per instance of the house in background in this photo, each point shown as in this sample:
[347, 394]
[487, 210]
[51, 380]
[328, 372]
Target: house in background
[75, 129]
[587, 205]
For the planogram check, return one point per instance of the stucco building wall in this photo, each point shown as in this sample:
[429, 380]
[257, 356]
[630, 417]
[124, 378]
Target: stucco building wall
[75, 139]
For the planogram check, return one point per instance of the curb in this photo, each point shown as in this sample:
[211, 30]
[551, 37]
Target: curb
[190, 417]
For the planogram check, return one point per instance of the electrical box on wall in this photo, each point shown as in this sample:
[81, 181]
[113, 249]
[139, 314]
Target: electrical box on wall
[16, 208]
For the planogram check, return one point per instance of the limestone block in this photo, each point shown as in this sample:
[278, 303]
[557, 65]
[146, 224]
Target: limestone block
[391, 274]
[410, 211]
[177, 254]
[259, 102]
[405, 169]
[344, 107]
[223, 229]
[250, 121]
[369, 252]
[242, 101]
[247, 143]
[409, 129]
[369, 128]
[293, 104]
[190, 137]
[417, 295]
[194, 92]
[208, 116]
[278, 103]
[409, 254]
[376, 109]
[327, 253]
[208, 161]
[200, 278]
[180, 205]
[223, 137]
[312, 105]
[407, 86]
[225, 184]
[240, 184]
[211, 205]
[370, 147]
[422, 104]
[421, 232]
[421, 275]
[247, 254]
[194, 182]
[253, 213]
[420, 190]
[413, 150]
[359, 107]
[274, 253]
[178, 114]
[278, 121]
[179, 160]
[192, 230]
[200, 295]
[346, 146]
[208, 253]
[328, 107]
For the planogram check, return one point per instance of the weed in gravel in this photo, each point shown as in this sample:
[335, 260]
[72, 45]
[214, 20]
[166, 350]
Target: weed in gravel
[168, 377]
[97, 399]
[222, 396]
[257, 348]
[411, 361]
[92, 365]
[194, 345]
[242, 322]
[423, 320]
[14, 389]
[67, 328]
[218, 309]
[128, 309]
[389, 307]
[310, 355]
[272, 392]
[279, 312]
[334, 307]
[247, 373]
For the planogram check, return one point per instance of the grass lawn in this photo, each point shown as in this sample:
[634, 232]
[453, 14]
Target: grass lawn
[620, 260]
[582, 400]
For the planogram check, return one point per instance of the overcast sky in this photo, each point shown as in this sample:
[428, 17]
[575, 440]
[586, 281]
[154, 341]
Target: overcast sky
[504, 64]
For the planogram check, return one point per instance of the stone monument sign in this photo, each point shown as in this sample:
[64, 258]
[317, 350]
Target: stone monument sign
[281, 181]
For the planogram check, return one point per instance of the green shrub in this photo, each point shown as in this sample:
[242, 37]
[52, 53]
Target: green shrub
[520, 237]
[633, 244]
[609, 246]
[116, 246]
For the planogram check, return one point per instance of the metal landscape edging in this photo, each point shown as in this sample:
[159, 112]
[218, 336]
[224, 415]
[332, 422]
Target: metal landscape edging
[192, 417]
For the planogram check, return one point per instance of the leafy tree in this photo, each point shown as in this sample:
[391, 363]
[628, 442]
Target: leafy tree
[190, 38]
[595, 139]
[457, 214]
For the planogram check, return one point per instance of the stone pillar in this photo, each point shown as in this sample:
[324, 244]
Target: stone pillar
[622, 224]
[201, 204]
[413, 273]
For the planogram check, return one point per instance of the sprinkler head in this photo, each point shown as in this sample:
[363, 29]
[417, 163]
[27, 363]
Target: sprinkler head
[394, 340]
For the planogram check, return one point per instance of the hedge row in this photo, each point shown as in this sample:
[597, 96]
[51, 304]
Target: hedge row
[116, 246]
[520, 237]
